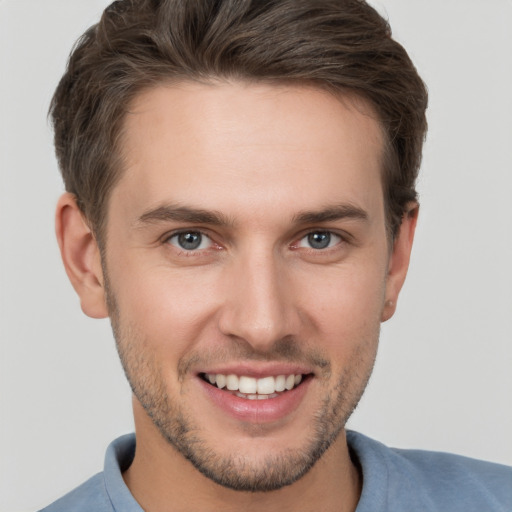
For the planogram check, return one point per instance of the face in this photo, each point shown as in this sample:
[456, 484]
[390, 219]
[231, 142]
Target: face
[247, 272]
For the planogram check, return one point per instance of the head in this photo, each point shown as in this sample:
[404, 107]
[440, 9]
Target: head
[242, 204]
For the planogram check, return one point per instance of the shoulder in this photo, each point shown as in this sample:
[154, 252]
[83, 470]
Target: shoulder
[428, 480]
[106, 491]
[91, 495]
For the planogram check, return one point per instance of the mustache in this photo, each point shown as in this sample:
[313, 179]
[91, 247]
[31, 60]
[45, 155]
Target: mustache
[287, 350]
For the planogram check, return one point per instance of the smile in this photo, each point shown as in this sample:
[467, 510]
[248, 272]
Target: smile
[254, 389]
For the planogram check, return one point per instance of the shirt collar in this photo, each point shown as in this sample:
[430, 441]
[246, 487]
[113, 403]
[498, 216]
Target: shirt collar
[118, 458]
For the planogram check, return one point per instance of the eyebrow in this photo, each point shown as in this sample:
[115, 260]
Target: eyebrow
[177, 213]
[331, 213]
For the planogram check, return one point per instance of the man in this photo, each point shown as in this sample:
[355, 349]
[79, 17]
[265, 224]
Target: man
[241, 204]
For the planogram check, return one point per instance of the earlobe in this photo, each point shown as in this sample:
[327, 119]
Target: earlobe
[399, 260]
[81, 256]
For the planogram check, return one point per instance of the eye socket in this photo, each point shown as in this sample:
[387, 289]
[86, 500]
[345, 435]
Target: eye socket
[319, 240]
[190, 240]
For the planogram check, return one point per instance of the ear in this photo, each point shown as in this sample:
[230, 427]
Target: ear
[399, 260]
[81, 256]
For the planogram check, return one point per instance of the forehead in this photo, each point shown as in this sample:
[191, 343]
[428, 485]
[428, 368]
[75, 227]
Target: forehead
[241, 146]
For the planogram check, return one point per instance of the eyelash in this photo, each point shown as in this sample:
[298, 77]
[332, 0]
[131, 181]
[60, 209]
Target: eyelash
[189, 252]
[295, 245]
[330, 235]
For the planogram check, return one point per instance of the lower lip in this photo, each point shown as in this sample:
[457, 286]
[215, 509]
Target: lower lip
[257, 411]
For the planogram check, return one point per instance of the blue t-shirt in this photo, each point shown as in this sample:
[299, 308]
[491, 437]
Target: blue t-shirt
[394, 480]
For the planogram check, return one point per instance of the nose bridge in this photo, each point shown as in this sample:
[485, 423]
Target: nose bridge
[258, 307]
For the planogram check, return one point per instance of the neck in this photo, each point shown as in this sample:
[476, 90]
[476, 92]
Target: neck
[162, 480]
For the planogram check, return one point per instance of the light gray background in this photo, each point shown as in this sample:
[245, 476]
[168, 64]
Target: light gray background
[443, 379]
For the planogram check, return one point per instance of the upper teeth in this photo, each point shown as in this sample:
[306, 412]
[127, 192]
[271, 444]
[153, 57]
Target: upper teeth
[250, 385]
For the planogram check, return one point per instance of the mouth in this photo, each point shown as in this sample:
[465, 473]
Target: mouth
[251, 388]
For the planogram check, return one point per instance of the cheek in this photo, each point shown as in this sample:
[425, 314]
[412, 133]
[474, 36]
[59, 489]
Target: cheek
[168, 308]
[345, 305]
[174, 309]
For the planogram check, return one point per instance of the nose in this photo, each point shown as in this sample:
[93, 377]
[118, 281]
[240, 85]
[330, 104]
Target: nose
[259, 305]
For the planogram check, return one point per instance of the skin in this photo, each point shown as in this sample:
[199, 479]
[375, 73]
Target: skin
[266, 161]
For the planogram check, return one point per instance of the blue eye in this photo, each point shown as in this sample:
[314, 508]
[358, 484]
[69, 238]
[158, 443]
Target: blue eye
[320, 240]
[190, 240]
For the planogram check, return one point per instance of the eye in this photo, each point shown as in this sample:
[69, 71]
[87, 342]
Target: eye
[190, 240]
[319, 240]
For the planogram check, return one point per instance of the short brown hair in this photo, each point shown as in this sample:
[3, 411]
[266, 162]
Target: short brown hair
[340, 45]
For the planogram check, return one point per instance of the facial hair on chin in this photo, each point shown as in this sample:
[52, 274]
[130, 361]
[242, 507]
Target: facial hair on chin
[235, 471]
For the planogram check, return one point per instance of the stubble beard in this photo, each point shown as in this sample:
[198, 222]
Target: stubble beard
[234, 471]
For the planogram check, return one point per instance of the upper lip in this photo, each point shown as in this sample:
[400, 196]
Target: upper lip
[252, 369]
